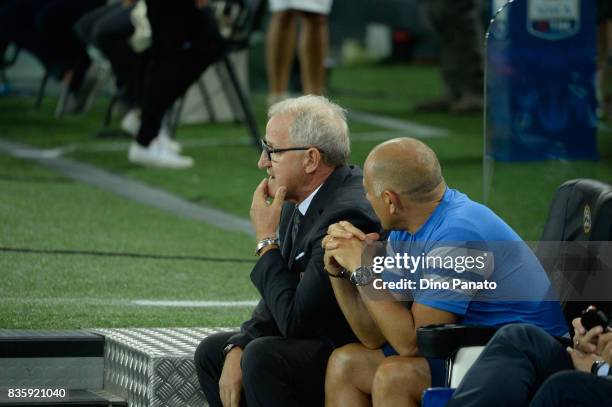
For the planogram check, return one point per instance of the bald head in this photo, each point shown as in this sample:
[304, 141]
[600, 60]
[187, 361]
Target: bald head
[406, 166]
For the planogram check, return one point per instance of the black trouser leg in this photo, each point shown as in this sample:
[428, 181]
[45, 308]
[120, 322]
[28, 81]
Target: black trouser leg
[55, 22]
[166, 81]
[514, 364]
[111, 35]
[285, 372]
[16, 16]
[84, 27]
[457, 22]
[17, 19]
[573, 388]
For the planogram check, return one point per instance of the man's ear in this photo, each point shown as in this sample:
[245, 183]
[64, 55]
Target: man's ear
[393, 201]
[312, 159]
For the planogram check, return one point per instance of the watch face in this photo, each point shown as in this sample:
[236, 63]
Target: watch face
[362, 276]
[595, 366]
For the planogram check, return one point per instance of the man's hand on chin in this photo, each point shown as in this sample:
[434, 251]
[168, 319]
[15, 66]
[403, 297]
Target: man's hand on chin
[266, 216]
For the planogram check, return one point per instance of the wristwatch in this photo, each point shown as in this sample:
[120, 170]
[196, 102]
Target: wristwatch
[266, 242]
[363, 275]
[596, 366]
[228, 348]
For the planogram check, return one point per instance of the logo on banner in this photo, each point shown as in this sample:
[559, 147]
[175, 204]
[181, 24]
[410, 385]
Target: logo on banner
[553, 19]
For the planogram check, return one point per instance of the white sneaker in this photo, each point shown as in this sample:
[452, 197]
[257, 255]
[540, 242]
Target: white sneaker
[130, 123]
[158, 155]
[164, 137]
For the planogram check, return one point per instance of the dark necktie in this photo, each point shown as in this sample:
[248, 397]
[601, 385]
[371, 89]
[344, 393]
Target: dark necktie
[295, 227]
[293, 233]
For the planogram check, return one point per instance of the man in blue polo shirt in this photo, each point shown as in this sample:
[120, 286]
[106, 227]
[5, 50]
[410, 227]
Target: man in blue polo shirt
[460, 228]
[457, 261]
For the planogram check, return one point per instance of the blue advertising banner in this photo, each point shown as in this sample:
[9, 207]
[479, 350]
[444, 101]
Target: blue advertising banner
[541, 66]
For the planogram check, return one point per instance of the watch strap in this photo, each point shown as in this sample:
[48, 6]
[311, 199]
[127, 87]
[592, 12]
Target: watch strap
[342, 274]
[228, 348]
[266, 242]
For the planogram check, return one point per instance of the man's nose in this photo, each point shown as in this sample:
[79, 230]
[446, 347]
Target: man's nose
[263, 162]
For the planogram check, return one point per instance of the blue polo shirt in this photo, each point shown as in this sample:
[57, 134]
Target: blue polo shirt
[460, 228]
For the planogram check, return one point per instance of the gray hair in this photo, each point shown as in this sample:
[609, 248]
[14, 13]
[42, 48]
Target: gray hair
[318, 123]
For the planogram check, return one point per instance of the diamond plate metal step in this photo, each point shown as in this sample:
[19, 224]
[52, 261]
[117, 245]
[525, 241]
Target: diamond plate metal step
[154, 367]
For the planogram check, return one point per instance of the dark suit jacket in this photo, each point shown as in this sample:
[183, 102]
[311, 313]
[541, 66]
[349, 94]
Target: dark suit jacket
[297, 298]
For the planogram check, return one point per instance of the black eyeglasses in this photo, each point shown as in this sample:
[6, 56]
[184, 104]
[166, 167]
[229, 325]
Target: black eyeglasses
[270, 150]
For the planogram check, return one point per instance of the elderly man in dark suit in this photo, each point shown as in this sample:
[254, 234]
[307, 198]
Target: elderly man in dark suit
[280, 354]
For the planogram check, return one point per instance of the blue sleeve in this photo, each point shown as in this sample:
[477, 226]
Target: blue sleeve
[452, 299]
[454, 307]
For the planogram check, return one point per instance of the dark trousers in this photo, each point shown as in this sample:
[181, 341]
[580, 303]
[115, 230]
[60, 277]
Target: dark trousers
[44, 28]
[573, 388]
[186, 41]
[276, 371]
[109, 28]
[457, 22]
[523, 363]
[55, 22]
[8, 32]
[17, 25]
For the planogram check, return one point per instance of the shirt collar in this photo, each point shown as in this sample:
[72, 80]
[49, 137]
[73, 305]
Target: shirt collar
[303, 206]
[436, 212]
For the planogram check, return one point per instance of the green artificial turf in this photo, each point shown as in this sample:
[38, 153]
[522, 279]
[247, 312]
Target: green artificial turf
[45, 314]
[41, 211]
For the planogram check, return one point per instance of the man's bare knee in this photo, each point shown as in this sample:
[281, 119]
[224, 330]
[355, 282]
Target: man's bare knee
[390, 374]
[343, 361]
[396, 372]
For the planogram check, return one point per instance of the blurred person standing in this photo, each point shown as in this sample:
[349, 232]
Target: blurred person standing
[185, 41]
[312, 46]
[458, 24]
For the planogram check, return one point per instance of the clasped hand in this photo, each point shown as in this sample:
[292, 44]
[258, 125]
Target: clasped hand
[589, 346]
[343, 246]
